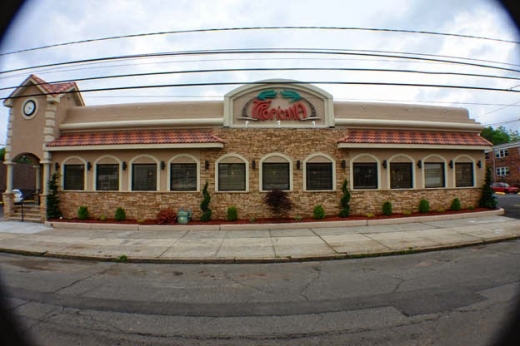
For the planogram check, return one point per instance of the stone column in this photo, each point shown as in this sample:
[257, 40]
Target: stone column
[8, 196]
[9, 176]
[45, 192]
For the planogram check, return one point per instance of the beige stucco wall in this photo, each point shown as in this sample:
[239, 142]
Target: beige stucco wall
[27, 135]
[144, 111]
[406, 112]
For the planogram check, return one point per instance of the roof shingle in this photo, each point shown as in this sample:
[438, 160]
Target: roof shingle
[54, 88]
[414, 137]
[135, 137]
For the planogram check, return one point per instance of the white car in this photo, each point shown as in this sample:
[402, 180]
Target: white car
[18, 196]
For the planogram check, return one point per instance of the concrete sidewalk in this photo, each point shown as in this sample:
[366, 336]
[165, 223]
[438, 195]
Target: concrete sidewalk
[256, 242]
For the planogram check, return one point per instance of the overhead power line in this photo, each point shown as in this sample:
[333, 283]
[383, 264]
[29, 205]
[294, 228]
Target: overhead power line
[276, 82]
[259, 28]
[258, 51]
[265, 69]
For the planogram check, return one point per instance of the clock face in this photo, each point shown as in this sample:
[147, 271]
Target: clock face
[29, 108]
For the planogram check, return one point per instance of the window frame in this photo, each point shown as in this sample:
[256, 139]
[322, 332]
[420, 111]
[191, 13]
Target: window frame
[461, 164]
[330, 178]
[66, 175]
[196, 179]
[287, 175]
[96, 178]
[219, 177]
[443, 171]
[501, 153]
[375, 176]
[502, 171]
[409, 165]
[133, 181]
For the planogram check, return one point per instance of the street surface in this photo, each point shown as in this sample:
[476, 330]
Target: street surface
[511, 204]
[453, 297]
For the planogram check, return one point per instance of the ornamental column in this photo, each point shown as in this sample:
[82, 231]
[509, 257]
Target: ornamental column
[8, 195]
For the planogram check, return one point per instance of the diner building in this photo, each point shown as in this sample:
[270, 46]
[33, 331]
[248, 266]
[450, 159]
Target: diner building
[272, 134]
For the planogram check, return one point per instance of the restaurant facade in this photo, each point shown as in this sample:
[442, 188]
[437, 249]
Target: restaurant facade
[273, 134]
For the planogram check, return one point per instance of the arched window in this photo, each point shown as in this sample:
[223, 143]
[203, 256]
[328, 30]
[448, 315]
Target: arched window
[434, 169]
[275, 172]
[232, 173]
[74, 174]
[144, 173]
[464, 171]
[364, 172]
[401, 172]
[319, 173]
[184, 173]
[107, 174]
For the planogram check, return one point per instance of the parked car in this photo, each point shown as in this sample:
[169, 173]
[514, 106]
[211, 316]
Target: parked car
[504, 187]
[18, 196]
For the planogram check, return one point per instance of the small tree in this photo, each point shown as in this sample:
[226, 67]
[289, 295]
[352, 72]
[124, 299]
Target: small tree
[345, 200]
[488, 200]
[279, 202]
[53, 200]
[204, 205]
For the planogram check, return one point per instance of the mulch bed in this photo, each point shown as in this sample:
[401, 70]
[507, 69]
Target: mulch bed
[274, 220]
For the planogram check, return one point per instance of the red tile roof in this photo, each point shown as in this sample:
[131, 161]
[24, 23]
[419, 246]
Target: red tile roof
[413, 137]
[135, 137]
[54, 88]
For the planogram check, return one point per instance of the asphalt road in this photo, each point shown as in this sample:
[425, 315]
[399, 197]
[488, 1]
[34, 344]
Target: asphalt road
[456, 297]
[511, 204]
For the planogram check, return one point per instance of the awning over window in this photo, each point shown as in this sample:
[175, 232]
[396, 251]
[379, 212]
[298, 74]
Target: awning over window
[412, 139]
[136, 139]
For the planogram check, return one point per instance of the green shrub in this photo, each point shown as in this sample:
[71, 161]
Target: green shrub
[166, 216]
[120, 214]
[387, 208]
[407, 212]
[471, 207]
[298, 218]
[344, 202]
[279, 202]
[252, 220]
[440, 210]
[319, 212]
[455, 204]
[53, 199]
[232, 214]
[83, 213]
[424, 206]
[488, 199]
[369, 215]
[102, 217]
[204, 205]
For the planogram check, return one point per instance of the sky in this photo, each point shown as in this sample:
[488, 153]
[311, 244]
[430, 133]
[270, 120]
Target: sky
[54, 22]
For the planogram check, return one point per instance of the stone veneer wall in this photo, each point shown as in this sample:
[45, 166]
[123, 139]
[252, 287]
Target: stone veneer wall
[254, 144]
[146, 205]
[363, 202]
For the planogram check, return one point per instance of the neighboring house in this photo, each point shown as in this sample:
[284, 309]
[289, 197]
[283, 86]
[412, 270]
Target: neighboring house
[271, 134]
[504, 160]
